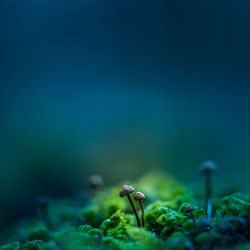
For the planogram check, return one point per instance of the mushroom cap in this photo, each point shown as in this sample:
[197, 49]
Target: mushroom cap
[139, 196]
[95, 181]
[208, 167]
[188, 209]
[125, 190]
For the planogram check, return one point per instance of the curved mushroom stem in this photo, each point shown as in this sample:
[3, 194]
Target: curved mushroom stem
[142, 213]
[135, 212]
[208, 195]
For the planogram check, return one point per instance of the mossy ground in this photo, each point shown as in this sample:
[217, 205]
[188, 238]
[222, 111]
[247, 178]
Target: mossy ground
[106, 221]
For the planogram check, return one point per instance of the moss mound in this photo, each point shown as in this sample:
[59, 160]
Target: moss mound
[106, 221]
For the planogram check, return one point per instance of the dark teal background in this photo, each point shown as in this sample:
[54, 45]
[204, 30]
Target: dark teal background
[119, 88]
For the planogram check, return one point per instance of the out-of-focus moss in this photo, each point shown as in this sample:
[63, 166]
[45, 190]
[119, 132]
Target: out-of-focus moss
[161, 186]
[11, 246]
[107, 221]
[104, 205]
[39, 245]
[178, 241]
[33, 230]
[62, 212]
[92, 215]
[144, 239]
[208, 239]
[242, 246]
[230, 225]
[235, 205]
[63, 237]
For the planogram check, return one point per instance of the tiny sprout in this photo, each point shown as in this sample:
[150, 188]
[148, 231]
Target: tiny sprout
[189, 210]
[127, 190]
[207, 169]
[139, 197]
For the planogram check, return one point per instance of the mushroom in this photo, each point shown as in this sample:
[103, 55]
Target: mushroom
[207, 169]
[43, 203]
[95, 182]
[139, 197]
[189, 210]
[127, 190]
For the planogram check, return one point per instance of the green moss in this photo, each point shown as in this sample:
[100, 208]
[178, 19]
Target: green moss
[143, 239]
[40, 245]
[11, 246]
[208, 239]
[161, 186]
[235, 205]
[33, 230]
[108, 222]
[178, 241]
[116, 225]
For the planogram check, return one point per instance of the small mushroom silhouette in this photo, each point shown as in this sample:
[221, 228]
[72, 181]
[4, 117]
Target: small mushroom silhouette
[189, 210]
[208, 169]
[43, 203]
[140, 197]
[127, 190]
[95, 182]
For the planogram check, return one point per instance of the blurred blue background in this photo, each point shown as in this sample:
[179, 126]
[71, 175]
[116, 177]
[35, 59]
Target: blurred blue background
[118, 88]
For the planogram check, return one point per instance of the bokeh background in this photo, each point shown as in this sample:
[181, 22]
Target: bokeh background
[119, 88]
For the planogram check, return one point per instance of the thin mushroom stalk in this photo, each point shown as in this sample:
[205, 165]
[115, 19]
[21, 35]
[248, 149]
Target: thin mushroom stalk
[43, 203]
[127, 190]
[208, 181]
[140, 197]
[142, 214]
[207, 169]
